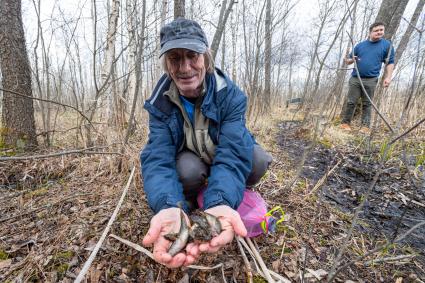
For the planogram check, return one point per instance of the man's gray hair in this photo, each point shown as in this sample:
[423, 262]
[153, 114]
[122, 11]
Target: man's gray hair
[208, 60]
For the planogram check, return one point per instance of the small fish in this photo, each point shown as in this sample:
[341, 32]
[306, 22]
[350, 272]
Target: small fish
[182, 236]
[200, 230]
[214, 223]
[204, 227]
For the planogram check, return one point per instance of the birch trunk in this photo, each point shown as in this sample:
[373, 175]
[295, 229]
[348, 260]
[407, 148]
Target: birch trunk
[109, 56]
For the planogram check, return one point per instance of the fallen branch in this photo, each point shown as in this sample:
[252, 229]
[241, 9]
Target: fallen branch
[256, 257]
[88, 263]
[150, 255]
[323, 179]
[260, 261]
[246, 261]
[245, 245]
[42, 156]
[386, 259]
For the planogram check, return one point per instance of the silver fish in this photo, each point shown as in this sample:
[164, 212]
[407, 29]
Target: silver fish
[214, 223]
[182, 237]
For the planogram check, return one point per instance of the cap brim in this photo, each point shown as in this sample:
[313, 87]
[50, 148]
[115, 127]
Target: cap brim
[191, 44]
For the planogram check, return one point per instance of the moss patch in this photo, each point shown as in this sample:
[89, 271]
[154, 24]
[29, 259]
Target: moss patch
[3, 255]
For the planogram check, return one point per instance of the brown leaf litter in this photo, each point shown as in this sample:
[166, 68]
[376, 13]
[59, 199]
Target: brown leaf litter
[54, 211]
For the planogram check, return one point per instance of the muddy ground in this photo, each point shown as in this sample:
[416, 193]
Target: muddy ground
[54, 211]
[389, 210]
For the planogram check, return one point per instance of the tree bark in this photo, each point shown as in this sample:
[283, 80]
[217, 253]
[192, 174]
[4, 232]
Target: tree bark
[406, 36]
[18, 124]
[390, 13]
[179, 9]
[108, 68]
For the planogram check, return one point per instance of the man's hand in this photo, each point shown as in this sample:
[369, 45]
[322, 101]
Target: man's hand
[387, 82]
[164, 222]
[231, 223]
[349, 61]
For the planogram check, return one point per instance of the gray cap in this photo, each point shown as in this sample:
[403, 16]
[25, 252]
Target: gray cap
[183, 33]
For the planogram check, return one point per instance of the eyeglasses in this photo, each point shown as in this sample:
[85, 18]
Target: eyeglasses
[176, 58]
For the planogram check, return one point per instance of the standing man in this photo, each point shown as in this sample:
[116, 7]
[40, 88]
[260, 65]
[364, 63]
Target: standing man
[198, 140]
[369, 56]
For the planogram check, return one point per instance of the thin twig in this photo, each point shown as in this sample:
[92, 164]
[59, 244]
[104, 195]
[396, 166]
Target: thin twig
[57, 154]
[49, 101]
[413, 26]
[408, 131]
[88, 263]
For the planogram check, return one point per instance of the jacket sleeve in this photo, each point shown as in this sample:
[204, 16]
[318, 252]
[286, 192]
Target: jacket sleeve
[160, 179]
[234, 152]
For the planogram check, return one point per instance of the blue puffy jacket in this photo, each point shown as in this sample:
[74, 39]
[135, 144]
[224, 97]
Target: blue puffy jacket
[225, 105]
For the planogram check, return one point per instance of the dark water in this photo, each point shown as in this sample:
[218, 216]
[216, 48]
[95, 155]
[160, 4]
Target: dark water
[388, 200]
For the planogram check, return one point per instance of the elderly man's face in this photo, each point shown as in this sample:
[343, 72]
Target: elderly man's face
[187, 69]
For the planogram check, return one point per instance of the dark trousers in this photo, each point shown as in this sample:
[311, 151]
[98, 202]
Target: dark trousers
[193, 172]
[354, 92]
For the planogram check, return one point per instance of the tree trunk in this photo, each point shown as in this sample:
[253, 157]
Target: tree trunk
[179, 9]
[268, 58]
[234, 31]
[137, 72]
[406, 36]
[390, 13]
[224, 15]
[108, 68]
[18, 124]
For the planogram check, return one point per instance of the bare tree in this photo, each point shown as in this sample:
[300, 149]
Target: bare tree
[326, 9]
[222, 20]
[18, 113]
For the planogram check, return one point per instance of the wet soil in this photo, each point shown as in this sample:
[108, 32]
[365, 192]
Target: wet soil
[389, 210]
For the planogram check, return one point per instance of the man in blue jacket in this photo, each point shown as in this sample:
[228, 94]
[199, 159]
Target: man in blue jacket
[198, 140]
[369, 56]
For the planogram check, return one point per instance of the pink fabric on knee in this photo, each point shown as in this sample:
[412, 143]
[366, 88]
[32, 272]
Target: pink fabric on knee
[252, 211]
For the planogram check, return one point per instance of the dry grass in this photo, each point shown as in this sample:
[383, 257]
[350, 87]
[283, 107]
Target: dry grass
[54, 211]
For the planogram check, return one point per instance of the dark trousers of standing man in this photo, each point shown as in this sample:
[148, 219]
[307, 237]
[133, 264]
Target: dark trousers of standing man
[354, 92]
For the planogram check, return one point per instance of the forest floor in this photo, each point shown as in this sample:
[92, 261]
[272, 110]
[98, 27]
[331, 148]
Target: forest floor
[53, 212]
